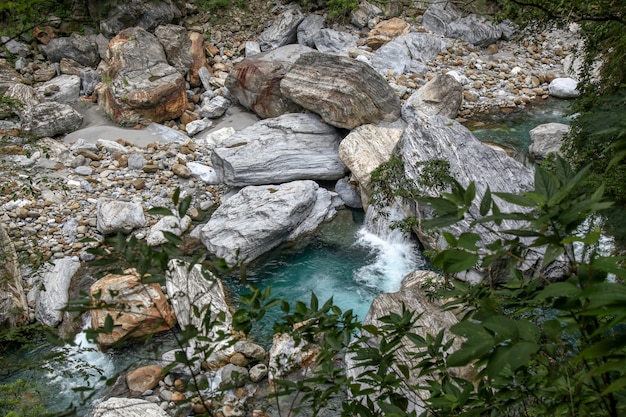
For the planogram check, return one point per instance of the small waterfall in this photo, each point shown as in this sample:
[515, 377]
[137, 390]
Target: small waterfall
[395, 253]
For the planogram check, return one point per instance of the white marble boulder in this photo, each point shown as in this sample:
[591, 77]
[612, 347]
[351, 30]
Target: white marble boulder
[259, 218]
[294, 146]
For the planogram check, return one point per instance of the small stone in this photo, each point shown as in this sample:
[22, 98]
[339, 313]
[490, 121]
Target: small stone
[83, 170]
[178, 397]
[150, 168]
[181, 170]
[493, 49]
[138, 183]
[238, 359]
[144, 378]
[200, 405]
[166, 395]
[258, 372]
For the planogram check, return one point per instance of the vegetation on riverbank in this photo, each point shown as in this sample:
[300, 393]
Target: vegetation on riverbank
[539, 347]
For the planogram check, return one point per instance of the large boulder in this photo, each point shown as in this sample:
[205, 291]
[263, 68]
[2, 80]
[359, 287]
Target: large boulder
[432, 319]
[283, 30]
[445, 20]
[255, 81]
[430, 138]
[50, 119]
[138, 83]
[8, 77]
[364, 13]
[408, 53]
[364, 149]
[144, 378]
[436, 139]
[441, 95]
[309, 28]
[13, 304]
[198, 57]
[62, 89]
[128, 407]
[176, 45]
[345, 92]
[137, 309]
[79, 48]
[290, 147]
[386, 31]
[259, 218]
[168, 224]
[199, 298]
[546, 139]
[331, 41]
[53, 294]
[147, 14]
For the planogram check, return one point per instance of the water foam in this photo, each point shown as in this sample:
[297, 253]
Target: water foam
[394, 258]
[82, 365]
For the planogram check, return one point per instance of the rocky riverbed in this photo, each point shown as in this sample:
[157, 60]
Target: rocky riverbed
[124, 118]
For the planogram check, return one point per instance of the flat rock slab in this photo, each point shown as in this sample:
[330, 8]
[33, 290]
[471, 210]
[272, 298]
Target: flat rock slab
[290, 147]
[345, 92]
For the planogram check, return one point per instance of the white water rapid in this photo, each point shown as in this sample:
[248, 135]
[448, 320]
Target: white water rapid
[395, 253]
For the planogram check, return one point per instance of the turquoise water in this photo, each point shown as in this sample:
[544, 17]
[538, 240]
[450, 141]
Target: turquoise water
[72, 377]
[344, 261]
[511, 130]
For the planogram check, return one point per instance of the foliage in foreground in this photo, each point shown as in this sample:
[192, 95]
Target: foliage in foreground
[18, 400]
[537, 346]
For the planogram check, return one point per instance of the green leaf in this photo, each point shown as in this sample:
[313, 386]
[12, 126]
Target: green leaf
[108, 324]
[314, 302]
[160, 211]
[455, 260]
[553, 329]
[503, 327]
[552, 252]
[390, 410]
[605, 293]
[603, 348]
[439, 204]
[468, 241]
[510, 357]
[176, 196]
[172, 238]
[546, 183]
[470, 194]
[184, 206]
[472, 350]
[450, 239]
[485, 203]
[610, 264]
[559, 289]
[518, 200]
[590, 238]
[617, 385]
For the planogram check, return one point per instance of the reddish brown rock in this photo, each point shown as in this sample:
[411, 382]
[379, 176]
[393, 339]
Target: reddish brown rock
[387, 31]
[198, 54]
[138, 83]
[144, 378]
[137, 309]
[255, 81]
